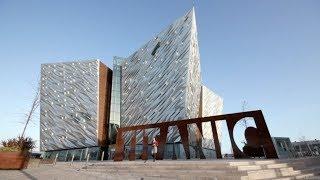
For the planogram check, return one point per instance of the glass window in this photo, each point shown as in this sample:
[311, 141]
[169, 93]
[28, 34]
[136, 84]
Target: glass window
[69, 155]
[94, 153]
[62, 155]
[77, 154]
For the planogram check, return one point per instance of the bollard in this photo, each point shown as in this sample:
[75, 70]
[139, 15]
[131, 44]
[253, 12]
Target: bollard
[72, 159]
[55, 159]
[102, 156]
[88, 157]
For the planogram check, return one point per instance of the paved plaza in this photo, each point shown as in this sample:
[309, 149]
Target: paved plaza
[306, 168]
[47, 172]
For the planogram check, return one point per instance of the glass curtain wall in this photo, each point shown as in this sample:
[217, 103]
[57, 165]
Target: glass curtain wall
[74, 154]
[115, 112]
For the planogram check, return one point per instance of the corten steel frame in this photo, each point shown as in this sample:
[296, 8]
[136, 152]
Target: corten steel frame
[231, 119]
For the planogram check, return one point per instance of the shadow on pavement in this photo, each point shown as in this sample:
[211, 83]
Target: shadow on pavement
[28, 175]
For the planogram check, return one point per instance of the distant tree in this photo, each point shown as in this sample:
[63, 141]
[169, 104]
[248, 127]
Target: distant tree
[34, 106]
[244, 107]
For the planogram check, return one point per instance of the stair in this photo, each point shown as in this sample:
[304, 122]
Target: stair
[307, 168]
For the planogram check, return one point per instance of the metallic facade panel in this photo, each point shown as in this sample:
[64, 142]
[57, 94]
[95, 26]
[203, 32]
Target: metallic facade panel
[161, 81]
[193, 91]
[212, 105]
[69, 105]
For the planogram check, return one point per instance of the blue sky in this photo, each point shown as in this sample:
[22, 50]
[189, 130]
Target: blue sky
[265, 52]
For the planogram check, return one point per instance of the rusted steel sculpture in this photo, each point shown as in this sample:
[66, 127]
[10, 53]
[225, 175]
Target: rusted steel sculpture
[132, 153]
[144, 155]
[263, 139]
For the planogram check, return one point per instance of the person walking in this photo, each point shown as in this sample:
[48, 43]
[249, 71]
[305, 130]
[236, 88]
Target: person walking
[154, 149]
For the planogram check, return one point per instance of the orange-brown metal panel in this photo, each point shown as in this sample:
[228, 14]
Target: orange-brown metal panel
[132, 153]
[104, 97]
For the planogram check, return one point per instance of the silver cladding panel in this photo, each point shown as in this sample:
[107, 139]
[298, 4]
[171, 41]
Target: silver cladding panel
[161, 81]
[212, 105]
[68, 105]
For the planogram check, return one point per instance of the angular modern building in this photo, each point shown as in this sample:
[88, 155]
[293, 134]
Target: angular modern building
[159, 82]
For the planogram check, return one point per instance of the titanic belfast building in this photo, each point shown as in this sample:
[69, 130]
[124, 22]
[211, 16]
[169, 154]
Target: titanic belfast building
[83, 103]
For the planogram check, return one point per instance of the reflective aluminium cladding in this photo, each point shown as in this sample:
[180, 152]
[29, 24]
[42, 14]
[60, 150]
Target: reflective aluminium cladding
[72, 104]
[161, 81]
[211, 105]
